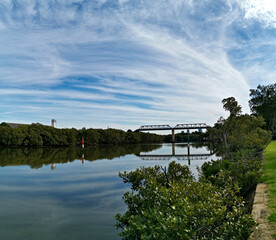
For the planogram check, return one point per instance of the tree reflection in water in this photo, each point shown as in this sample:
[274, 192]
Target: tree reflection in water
[37, 157]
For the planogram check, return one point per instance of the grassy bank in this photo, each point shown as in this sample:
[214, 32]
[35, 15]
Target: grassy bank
[270, 178]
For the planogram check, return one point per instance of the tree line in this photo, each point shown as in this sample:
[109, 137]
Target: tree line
[188, 137]
[41, 135]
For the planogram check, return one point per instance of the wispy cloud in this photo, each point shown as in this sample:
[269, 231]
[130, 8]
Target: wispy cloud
[126, 63]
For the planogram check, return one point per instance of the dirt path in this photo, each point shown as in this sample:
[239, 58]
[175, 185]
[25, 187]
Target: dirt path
[260, 212]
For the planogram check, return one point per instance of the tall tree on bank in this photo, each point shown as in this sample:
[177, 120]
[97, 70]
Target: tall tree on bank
[239, 131]
[230, 104]
[263, 103]
[223, 126]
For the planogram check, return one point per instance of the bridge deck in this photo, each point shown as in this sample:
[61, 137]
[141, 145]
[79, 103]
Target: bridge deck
[177, 127]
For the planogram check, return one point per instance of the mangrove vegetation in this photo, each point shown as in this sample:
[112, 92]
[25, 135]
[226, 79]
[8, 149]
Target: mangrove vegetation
[41, 135]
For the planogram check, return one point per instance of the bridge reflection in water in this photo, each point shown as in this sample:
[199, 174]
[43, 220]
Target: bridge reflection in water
[188, 157]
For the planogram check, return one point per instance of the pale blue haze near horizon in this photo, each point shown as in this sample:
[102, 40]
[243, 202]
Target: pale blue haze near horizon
[123, 63]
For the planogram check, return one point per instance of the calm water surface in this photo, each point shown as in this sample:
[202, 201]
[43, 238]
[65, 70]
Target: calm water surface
[63, 193]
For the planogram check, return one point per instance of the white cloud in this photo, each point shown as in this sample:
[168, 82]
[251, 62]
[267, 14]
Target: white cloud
[264, 10]
[171, 63]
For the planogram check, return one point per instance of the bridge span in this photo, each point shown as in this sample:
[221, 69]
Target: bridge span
[190, 126]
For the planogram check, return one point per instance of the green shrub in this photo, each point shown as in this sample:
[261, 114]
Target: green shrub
[170, 204]
[243, 169]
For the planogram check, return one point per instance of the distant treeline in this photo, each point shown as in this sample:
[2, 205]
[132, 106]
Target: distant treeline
[41, 135]
[188, 137]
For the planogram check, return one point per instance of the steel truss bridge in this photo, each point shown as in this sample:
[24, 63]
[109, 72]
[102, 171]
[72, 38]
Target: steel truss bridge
[168, 127]
[198, 126]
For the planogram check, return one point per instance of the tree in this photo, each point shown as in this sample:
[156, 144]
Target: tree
[3, 124]
[243, 139]
[239, 131]
[230, 104]
[263, 103]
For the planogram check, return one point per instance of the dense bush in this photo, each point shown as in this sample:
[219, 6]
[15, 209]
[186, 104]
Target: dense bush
[170, 204]
[242, 140]
[244, 170]
[238, 133]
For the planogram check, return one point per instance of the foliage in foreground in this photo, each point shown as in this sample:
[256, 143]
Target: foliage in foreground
[170, 204]
[243, 170]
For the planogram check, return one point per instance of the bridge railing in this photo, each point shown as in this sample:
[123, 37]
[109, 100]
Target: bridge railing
[155, 127]
[191, 126]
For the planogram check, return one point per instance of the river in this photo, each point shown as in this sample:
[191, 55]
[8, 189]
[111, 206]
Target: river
[74, 193]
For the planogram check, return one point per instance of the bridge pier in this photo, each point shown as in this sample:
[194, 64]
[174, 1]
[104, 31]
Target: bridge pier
[173, 136]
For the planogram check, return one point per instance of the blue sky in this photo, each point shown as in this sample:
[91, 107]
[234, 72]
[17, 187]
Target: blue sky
[126, 63]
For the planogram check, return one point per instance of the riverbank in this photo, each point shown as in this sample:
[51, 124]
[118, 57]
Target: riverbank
[260, 213]
[270, 178]
[264, 206]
